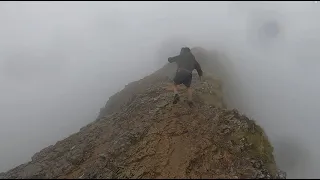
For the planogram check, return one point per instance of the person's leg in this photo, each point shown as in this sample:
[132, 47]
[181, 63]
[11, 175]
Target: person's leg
[187, 83]
[176, 95]
[176, 82]
[190, 102]
[175, 88]
[189, 93]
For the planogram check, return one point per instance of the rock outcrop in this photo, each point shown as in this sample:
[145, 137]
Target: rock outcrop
[141, 134]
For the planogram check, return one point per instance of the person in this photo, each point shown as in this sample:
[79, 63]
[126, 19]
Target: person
[186, 63]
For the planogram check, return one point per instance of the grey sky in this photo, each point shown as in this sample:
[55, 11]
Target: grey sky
[60, 61]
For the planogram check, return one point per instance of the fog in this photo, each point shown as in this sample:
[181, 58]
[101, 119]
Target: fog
[60, 61]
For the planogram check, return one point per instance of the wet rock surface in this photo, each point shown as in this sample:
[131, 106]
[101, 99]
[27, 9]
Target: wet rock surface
[141, 134]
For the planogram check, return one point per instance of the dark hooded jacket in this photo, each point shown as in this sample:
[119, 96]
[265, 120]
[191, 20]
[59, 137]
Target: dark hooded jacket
[186, 61]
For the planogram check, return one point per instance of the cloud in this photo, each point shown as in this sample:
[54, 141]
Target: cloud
[60, 61]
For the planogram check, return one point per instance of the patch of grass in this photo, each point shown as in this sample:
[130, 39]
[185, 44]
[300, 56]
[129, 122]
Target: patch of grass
[259, 146]
[263, 148]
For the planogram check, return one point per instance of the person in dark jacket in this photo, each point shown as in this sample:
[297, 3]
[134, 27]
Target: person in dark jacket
[186, 64]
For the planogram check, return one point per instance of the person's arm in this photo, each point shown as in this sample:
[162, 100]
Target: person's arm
[173, 59]
[198, 67]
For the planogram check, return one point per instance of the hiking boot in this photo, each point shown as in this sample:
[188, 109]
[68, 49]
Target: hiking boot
[176, 99]
[190, 103]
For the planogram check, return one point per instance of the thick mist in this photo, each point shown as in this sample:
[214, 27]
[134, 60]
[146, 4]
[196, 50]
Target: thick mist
[60, 61]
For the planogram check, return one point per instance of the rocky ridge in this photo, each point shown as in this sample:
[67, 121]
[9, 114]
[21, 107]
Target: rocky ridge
[141, 134]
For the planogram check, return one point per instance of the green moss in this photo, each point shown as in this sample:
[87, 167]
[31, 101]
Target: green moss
[261, 148]
[259, 145]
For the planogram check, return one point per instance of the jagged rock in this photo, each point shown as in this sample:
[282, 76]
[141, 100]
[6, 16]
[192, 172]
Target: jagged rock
[41, 154]
[141, 134]
[2, 175]
[281, 175]
[103, 156]
[75, 157]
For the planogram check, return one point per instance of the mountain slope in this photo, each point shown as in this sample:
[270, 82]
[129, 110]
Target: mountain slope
[141, 134]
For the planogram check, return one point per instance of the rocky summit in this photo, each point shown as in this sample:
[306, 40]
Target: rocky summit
[141, 134]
